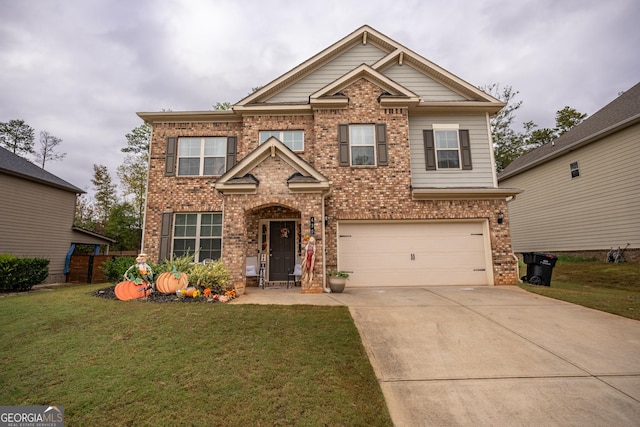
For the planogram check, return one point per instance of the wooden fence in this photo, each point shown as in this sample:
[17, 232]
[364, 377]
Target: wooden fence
[86, 268]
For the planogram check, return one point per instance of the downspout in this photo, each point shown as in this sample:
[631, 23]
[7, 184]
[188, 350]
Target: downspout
[324, 245]
[146, 191]
[513, 254]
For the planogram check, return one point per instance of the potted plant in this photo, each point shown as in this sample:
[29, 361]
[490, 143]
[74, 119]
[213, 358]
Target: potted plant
[337, 280]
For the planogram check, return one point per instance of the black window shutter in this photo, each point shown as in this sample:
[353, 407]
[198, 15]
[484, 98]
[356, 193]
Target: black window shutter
[429, 150]
[343, 144]
[383, 154]
[465, 149]
[170, 156]
[232, 152]
[165, 237]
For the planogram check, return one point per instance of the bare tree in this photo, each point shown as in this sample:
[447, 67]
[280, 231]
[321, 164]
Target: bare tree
[46, 152]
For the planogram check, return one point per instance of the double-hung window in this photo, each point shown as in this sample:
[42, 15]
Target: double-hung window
[201, 156]
[362, 145]
[199, 234]
[447, 148]
[294, 139]
[575, 170]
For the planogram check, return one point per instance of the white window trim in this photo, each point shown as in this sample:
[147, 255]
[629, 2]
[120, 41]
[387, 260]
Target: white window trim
[197, 237]
[447, 127]
[281, 137]
[202, 156]
[374, 145]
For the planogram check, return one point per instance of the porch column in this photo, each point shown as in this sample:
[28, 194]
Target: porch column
[234, 240]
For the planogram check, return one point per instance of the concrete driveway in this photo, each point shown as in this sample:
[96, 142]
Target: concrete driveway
[491, 356]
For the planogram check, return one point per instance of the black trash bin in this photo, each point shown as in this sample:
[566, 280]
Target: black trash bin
[539, 267]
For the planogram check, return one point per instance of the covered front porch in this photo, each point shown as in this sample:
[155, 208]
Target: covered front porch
[273, 206]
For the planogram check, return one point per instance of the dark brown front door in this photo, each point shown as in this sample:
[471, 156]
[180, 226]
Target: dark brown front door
[282, 253]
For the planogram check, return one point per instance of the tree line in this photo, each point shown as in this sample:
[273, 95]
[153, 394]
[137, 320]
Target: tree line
[119, 218]
[19, 138]
[115, 211]
[509, 143]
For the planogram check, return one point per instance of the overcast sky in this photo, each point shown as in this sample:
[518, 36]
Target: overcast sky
[81, 69]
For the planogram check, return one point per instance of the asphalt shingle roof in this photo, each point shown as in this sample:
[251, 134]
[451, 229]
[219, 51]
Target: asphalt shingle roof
[13, 164]
[619, 113]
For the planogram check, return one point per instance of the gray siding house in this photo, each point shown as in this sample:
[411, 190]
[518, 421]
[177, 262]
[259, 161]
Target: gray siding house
[582, 191]
[37, 214]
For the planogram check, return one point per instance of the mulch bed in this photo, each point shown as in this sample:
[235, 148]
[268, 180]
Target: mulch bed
[109, 293]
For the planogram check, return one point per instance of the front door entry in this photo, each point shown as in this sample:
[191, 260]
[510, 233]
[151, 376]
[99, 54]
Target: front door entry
[282, 238]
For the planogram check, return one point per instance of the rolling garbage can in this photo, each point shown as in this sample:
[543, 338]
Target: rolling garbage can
[539, 268]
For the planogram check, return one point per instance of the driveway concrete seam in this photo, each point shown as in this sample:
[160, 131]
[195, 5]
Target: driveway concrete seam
[517, 334]
[616, 388]
[586, 371]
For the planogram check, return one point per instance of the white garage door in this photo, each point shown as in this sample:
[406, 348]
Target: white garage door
[414, 254]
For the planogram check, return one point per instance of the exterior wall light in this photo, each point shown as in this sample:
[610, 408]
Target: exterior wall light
[500, 217]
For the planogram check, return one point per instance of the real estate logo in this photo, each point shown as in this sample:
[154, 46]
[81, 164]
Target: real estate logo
[31, 416]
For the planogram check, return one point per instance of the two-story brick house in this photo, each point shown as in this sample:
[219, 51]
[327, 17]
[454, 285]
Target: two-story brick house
[382, 156]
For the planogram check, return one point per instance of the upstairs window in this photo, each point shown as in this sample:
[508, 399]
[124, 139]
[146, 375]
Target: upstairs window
[447, 148]
[362, 145]
[294, 139]
[575, 170]
[201, 156]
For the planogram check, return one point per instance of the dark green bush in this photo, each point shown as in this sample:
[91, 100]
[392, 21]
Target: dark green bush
[21, 274]
[115, 267]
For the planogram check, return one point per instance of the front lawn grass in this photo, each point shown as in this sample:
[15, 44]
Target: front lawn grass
[135, 363]
[610, 287]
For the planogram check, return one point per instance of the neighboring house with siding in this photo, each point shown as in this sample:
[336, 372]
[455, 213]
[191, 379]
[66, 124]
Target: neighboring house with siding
[582, 191]
[380, 155]
[37, 214]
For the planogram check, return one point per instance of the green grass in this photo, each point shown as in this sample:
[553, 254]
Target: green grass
[133, 363]
[610, 287]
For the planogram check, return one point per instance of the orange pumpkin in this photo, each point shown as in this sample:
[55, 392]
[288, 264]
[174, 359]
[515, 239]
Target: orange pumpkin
[129, 290]
[169, 283]
[190, 291]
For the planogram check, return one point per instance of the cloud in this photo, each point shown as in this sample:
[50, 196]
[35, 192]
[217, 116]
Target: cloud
[82, 69]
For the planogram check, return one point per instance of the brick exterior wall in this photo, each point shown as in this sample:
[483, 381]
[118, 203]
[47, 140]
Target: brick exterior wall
[358, 193]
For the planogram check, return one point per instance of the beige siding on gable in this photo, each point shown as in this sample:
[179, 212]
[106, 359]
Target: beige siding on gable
[357, 55]
[482, 173]
[597, 210]
[36, 221]
[420, 84]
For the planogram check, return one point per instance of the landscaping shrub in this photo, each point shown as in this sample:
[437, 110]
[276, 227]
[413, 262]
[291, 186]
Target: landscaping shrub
[182, 264]
[21, 274]
[214, 276]
[115, 267]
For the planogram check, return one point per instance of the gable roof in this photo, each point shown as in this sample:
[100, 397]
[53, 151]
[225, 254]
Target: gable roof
[396, 91]
[238, 179]
[12, 164]
[473, 100]
[622, 112]
[396, 53]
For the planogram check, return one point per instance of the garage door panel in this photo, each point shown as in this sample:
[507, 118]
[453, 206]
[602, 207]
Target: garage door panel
[413, 254]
